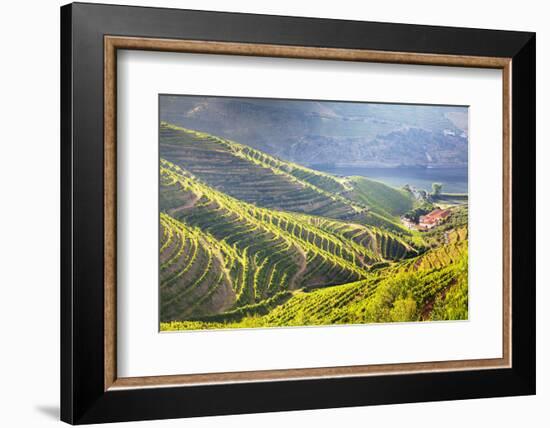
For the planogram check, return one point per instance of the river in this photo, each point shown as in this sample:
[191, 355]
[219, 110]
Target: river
[454, 180]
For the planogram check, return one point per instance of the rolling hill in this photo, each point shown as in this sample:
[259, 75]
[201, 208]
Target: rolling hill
[250, 240]
[261, 251]
[264, 180]
[433, 286]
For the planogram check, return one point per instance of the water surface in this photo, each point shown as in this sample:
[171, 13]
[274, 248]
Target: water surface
[454, 180]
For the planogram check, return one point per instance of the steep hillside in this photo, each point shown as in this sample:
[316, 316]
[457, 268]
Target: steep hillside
[430, 287]
[382, 199]
[220, 253]
[256, 177]
[253, 176]
[196, 271]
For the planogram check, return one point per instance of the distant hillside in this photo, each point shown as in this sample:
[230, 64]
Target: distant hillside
[315, 132]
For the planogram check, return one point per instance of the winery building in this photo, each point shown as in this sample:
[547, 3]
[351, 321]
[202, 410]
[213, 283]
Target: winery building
[432, 219]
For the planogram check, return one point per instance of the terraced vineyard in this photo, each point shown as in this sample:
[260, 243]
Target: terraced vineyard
[247, 239]
[253, 176]
[206, 267]
[407, 292]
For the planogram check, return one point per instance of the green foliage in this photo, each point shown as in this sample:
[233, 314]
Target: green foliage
[436, 189]
[252, 253]
[280, 184]
[399, 293]
[415, 213]
[459, 218]
[390, 224]
[262, 308]
[453, 304]
[276, 184]
[404, 310]
[261, 242]
[393, 300]
[445, 232]
[382, 199]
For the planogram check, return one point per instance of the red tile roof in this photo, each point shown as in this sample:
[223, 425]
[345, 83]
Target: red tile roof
[434, 216]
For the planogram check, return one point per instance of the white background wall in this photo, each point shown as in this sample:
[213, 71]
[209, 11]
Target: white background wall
[29, 212]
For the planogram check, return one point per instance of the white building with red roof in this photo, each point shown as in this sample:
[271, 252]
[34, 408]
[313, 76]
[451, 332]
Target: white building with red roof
[432, 219]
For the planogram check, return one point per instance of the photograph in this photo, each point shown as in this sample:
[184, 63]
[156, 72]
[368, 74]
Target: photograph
[294, 213]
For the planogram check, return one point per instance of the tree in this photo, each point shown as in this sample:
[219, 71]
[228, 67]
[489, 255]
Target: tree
[436, 189]
[423, 194]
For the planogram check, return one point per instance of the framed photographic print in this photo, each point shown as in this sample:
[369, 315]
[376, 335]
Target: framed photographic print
[266, 213]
